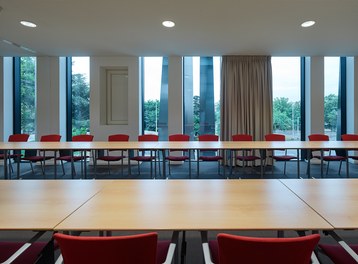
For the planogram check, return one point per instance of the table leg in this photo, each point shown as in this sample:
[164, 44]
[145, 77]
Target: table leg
[5, 165]
[298, 163]
[164, 167]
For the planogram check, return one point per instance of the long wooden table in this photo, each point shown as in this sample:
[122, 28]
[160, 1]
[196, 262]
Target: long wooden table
[77, 205]
[336, 200]
[194, 205]
[191, 145]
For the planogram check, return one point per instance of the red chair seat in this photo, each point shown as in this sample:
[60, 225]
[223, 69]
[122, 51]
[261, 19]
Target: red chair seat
[353, 157]
[143, 158]
[37, 158]
[239, 249]
[7, 249]
[214, 250]
[337, 254]
[247, 158]
[111, 158]
[162, 250]
[177, 158]
[331, 158]
[284, 158]
[141, 248]
[210, 158]
[70, 158]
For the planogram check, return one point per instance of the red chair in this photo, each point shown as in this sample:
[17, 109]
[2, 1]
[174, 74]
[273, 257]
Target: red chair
[183, 157]
[204, 155]
[16, 155]
[232, 249]
[337, 253]
[29, 256]
[41, 157]
[72, 157]
[350, 137]
[246, 155]
[142, 157]
[328, 158]
[142, 248]
[110, 158]
[279, 157]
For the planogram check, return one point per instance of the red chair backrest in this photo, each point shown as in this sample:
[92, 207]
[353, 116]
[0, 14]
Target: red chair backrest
[238, 249]
[110, 250]
[350, 137]
[208, 137]
[242, 137]
[275, 137]
[318, 137]
[148, 137]
[118, 137]
[50, 138]
[18, 137]
[179, 137]
[84, 138]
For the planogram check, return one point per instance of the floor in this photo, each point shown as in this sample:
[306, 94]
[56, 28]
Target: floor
[207, 171]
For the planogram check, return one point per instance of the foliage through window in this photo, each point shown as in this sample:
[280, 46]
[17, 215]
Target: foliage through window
[80, 96]
[28, 96]
[286, 86]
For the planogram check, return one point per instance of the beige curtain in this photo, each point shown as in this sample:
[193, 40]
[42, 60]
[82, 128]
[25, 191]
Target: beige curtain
[246, 96]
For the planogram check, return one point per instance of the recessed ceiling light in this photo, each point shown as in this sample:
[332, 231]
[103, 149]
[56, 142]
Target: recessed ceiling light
[308, 23]
[28, 24]
[168, 24]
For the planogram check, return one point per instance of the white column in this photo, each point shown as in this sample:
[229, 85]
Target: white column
[48, 96]
[314, 95]
[352, 95]
[175, 95]
[6, 97]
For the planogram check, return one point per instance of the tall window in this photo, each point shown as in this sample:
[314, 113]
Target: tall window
[28, 96]
[80, 96]
[331, 88]
[201, 96]
[155, 96]
[286, 86]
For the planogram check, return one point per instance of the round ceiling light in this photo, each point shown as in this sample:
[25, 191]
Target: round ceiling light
[168, 24]
[28, 24]
[308, 23]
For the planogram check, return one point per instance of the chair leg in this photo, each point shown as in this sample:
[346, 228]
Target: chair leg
[340, 166]
[42, 163]
[32, 168]
[284, 169]
[327, 168]
[63, 168]
[109, 169]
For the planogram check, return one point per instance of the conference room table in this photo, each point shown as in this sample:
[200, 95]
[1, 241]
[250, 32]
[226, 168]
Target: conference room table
[163, 146]
[40, 205]
[179, 205]
[336, 200]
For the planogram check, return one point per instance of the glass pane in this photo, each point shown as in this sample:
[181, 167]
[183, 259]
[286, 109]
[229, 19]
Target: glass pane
[331, 86]
[201, 96]
[28, 96]
[80, 96]
[286, 87]
[155, 90]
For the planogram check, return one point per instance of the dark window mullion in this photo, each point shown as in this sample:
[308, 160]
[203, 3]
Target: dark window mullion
[69, 98]
[17, 95]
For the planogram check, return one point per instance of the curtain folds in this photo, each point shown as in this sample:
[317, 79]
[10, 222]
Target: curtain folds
[246, 96]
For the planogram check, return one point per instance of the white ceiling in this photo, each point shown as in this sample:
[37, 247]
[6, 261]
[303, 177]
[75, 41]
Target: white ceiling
[203, 27]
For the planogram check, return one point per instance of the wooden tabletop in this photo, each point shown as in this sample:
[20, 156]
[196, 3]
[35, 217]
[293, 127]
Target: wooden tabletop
[194, 205]
[182, 145]
[336, 200]
[42, 204]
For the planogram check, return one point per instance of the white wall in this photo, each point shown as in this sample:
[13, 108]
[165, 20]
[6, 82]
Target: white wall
[101, 131]
[314, 95]
[48, 95]
[352, 95]
[6, 97]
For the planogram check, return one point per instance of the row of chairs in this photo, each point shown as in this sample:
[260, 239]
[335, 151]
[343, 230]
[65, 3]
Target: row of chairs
[146, 248]
[244, 156]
